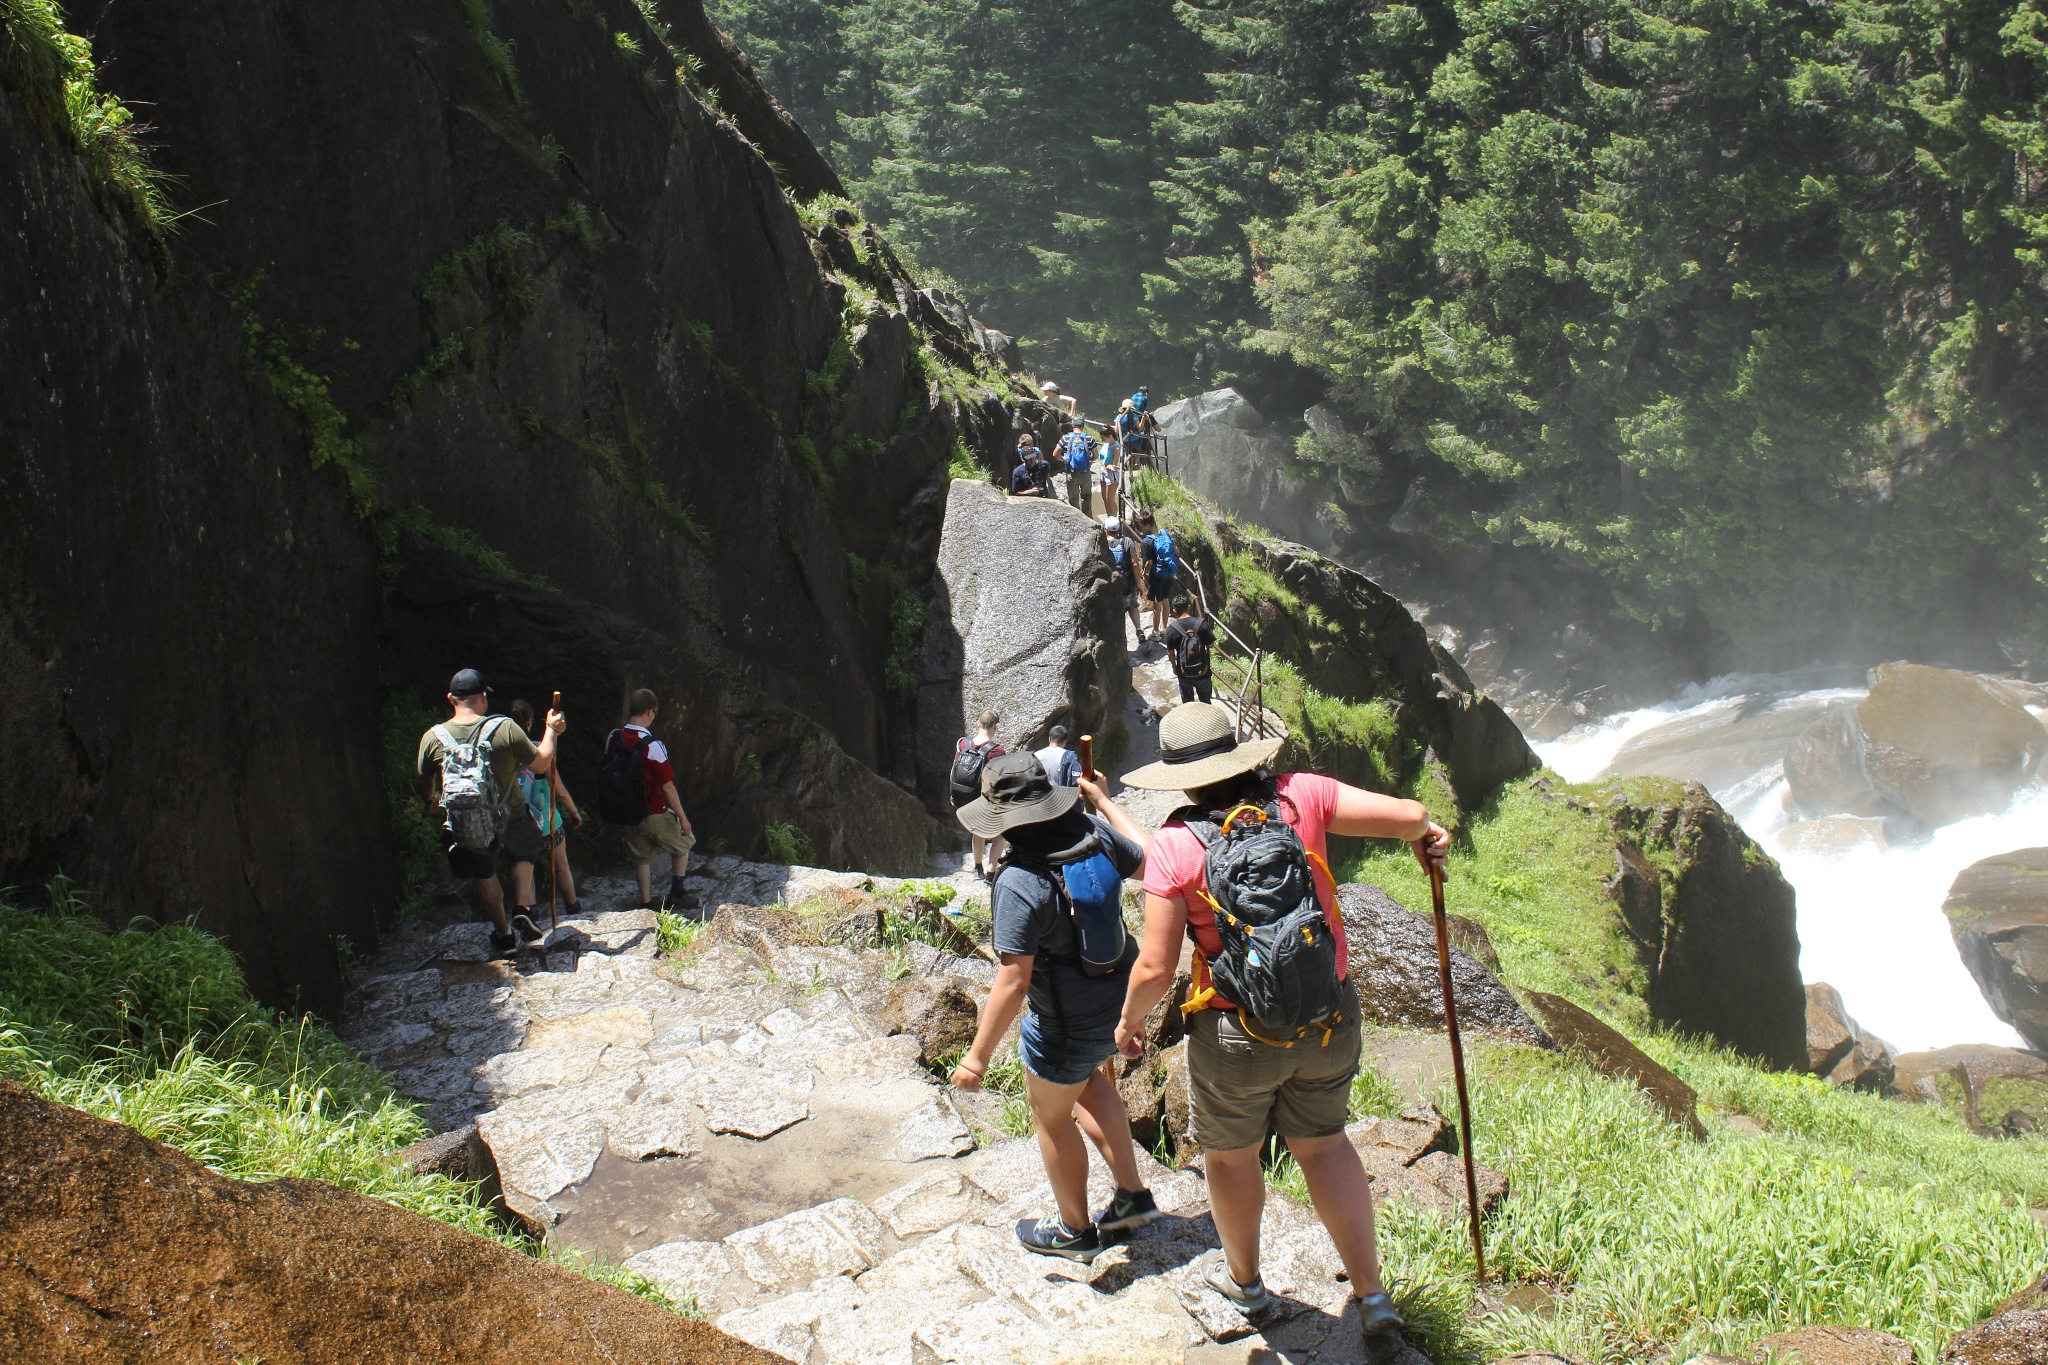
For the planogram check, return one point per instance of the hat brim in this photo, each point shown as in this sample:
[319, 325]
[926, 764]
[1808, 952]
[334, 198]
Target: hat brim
[1175, 777]
[979, 817]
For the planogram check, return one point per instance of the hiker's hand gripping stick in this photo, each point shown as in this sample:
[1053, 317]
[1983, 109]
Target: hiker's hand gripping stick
[1432, 849]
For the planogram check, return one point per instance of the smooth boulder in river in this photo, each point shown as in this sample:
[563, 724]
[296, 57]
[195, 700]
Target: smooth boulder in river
[1998, 911]
[1935, 744]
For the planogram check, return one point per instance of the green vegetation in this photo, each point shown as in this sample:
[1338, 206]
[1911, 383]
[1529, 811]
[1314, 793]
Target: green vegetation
[52, 69]
[787, 844]
[154, 1027]
[306, 394]
[417, 835]
[673, 934]
[496, 50]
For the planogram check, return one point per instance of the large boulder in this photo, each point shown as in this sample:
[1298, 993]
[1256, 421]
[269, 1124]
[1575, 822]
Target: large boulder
[1717, 932]
[1222, 447]
[1026, 621]
[1837, 1048]
[1935, 744]
[1394, 965]
[2016, 1334]
[1827, 1345]
[1610, 1053]
[1998, 912]
[117, 1248]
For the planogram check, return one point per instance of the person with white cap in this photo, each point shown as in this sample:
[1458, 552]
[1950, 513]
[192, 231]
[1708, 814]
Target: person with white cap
[1065, 401]
[1281, 1058]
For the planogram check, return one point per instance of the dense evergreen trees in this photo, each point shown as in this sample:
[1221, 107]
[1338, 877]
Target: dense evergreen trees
[1739, 302]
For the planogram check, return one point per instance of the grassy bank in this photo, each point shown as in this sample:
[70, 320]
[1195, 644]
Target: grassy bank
[154, 1027]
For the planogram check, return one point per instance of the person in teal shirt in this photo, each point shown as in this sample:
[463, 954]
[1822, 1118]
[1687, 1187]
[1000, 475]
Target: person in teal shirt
[554, 814]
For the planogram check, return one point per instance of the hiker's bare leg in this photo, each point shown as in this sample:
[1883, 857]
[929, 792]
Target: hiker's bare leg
[564, 883]
[640, 871]
[1237, 1200]
[1108, 1125]
[1059, 1142]
[491, 897]
[980, 850]
[522, 883]
[1342, 1195]
[997, 847]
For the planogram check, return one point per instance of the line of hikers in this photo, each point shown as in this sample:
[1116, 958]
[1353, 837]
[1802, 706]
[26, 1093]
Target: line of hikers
[1086, 462]
[493, 783]
[1273, 1044]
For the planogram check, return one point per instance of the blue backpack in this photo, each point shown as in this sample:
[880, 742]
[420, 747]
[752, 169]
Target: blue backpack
[1165, 564]
[1078, 448]
[1088, 886]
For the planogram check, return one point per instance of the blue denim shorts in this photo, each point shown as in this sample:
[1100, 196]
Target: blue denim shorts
[1052, 1056]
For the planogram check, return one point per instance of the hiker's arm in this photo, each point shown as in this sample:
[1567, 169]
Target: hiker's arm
[562, 797]
[1370, 815]
[1119, 819]
[1005, 999]
[675, 803]
[544, 754]
[1166, 921]
[430, 790]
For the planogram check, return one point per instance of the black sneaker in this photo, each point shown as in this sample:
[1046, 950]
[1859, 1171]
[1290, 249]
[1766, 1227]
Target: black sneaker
[504, 945]
[523, 925]
[1377, 1315]
[1128, 1210]
[1048, 1236]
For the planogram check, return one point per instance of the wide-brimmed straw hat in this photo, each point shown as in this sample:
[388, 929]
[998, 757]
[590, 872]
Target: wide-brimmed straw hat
[1015, 791]
[1198, 746]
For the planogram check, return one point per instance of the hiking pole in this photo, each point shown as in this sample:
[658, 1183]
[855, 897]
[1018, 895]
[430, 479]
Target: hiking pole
[1088, 757]
[554, 881]
[1443, 966]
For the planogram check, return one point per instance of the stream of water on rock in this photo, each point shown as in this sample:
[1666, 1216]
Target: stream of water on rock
[1870, 920]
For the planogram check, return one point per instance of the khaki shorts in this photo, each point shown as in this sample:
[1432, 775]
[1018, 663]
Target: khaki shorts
[1239, 1088]
[657, 834]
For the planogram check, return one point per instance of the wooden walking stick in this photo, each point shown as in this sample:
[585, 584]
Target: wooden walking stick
[1088, 757]
[554, 882]
[1443, 965]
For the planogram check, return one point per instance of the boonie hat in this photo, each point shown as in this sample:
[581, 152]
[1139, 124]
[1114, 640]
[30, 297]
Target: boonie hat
[467, 683]
[1198, 745]
[1015, 791]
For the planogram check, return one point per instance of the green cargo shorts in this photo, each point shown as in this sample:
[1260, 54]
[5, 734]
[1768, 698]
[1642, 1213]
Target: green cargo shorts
[1239, 1088]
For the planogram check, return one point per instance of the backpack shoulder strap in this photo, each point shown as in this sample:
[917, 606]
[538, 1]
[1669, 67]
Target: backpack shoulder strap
[447, 738]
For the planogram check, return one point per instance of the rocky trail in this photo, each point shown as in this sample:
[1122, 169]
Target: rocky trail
[753, 1123]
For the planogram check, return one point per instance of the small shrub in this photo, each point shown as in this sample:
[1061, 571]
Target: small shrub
[787, 844]
[674, 934]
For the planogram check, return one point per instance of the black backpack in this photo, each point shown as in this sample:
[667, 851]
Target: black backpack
[1279, 954]
[968, 761]
[622, 780]
[1190, 652]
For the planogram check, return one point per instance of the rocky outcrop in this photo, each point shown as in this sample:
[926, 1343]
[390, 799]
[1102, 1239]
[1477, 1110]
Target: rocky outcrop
[1998, 913]
[939, 1014]
[1025, 620]
[1715, 927]
[1394, 966]
[2016, 1334]
[1414, 1158]
[542, 305]
[119, 1249]
[1607, 1051]
[1933, 744]
[1223, 449]
[1837, 1048]
[1833, 1346]
[1350, 639]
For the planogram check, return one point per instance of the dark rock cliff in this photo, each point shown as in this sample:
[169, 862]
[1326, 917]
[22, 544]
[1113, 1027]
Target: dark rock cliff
[489, 279]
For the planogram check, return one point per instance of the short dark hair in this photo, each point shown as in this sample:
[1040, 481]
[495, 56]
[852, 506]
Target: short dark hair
[1058, 734]
[642, 701]
[1180, 601]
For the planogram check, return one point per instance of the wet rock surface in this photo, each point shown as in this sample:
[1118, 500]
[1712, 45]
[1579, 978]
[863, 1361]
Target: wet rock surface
[120, 1251]
[1839, 1050]
[1394, 963]
[1998, 914]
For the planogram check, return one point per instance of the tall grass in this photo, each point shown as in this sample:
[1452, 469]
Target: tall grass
[154, 1027]
[54, 70]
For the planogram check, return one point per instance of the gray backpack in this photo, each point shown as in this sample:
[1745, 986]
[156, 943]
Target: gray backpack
[475, 810]
[1279, 958]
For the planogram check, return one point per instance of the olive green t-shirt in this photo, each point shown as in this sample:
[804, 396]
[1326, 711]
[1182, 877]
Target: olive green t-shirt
[509, 748]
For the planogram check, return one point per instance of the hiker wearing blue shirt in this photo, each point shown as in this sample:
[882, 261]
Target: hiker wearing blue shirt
[1032, 478]
[1062, 765]
[1076, 452]
[1123, 557]
[1161, 560]
[1142, 399]
[1059, 931]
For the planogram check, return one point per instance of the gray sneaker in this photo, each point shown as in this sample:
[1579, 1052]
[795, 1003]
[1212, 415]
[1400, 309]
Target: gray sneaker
[1377, 1315]
[1249, 1299]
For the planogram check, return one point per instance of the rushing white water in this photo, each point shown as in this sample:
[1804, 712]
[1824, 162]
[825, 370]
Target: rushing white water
[1870, 920]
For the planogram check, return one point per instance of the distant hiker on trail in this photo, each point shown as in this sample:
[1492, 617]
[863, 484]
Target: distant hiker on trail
[1142, 399]
[1077, 457]
[1059, 931]
[1062, 765]
[970, 756]
[1188, 642]
[637, 789]
[1064, 401]
[1161, 561]
[1243, 871]
[1123, 554]
[1032, 478]
[547, 803]
[1133, 429]
[468, 770]
[1111, 475]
